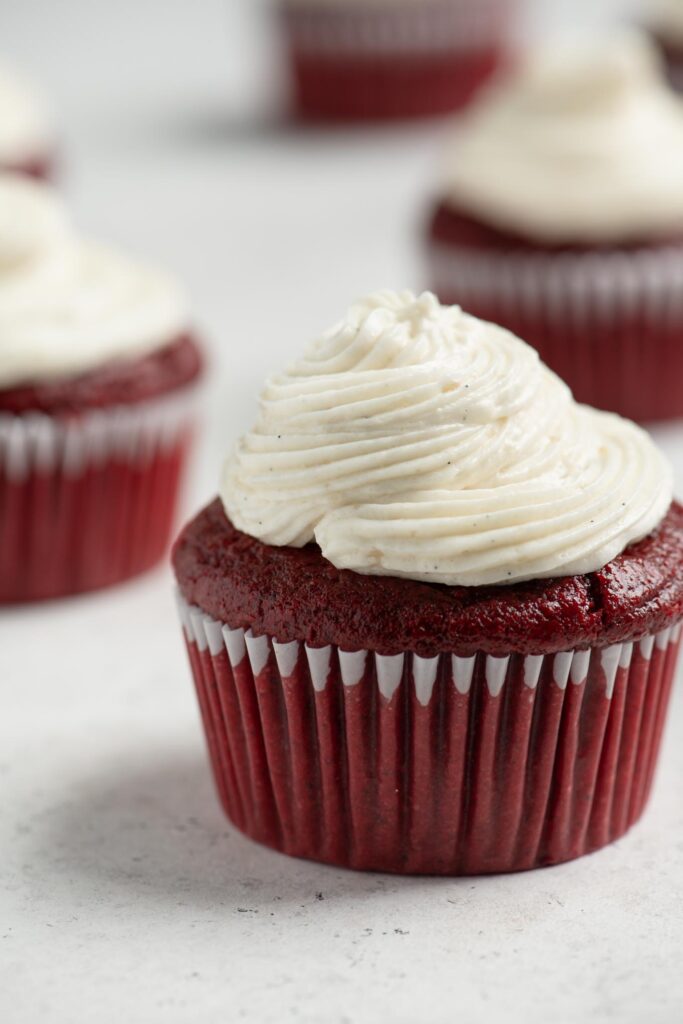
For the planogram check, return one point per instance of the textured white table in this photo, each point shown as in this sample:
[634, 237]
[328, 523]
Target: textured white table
[124, 895]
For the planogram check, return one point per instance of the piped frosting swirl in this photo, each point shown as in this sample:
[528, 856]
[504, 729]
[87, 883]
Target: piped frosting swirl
[414, 440]
[69, 305]
[584, 144]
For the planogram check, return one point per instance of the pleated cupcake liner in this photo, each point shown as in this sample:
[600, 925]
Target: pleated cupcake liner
[445, 765]
[88, 501]
[408, 60]
[429, 26]
[610, 324]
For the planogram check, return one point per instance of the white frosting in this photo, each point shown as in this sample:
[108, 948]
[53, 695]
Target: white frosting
[414, 440]
[584, 144]
[24, 132]
[666, 18]
[68, 305]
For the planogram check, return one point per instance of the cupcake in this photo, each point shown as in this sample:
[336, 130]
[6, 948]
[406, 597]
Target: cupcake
[433, 616]
[26, 145]
[98, 375]
[666, 25]
[561, 218]
[375, 59]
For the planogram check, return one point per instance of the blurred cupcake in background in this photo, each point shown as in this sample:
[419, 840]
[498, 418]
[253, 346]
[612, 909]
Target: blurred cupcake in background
[434, 615]
[375, 59]
[665, 21]
[26, 142]
[98, 375]
[561, 218]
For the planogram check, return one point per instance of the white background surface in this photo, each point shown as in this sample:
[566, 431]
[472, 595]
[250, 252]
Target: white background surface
[124, 894]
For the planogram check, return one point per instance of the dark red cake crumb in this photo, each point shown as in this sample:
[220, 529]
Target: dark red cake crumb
[452, 226]
[118, 382]
[296, 594]
[672, 54]
[40, 166]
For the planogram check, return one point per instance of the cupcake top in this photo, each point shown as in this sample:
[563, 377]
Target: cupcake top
[666, 18]
[24, 131]
[413, 440]
[583, 145]
[68, 305]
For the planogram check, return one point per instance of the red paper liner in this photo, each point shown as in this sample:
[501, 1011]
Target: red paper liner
[608, 323]
[445, 765]
[376, 63]
[90, 501]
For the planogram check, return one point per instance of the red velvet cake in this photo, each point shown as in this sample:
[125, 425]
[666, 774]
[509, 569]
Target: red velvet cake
[665, 23]
[355, 60]
[672, 54]
[369, 699]
[296, 594]
[41, 167]
[116, 383]
[98, 383]
[574, 240]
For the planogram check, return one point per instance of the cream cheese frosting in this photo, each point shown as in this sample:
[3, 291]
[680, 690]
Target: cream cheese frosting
[68, 305]
[414, 440]
[24, 131]
[584, 144]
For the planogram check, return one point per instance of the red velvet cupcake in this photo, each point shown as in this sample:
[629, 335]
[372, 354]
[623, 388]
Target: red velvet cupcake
[98, 376]
[434, 617]
[666, 25]
[26, 144]
[561, 218]
[355, 60]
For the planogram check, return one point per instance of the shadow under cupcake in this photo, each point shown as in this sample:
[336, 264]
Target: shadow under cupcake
[433, 618]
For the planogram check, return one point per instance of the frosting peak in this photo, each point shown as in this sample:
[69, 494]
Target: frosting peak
[571, 148]
[23, 125]
[69, 305]
[584, 78]
[414, 440]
